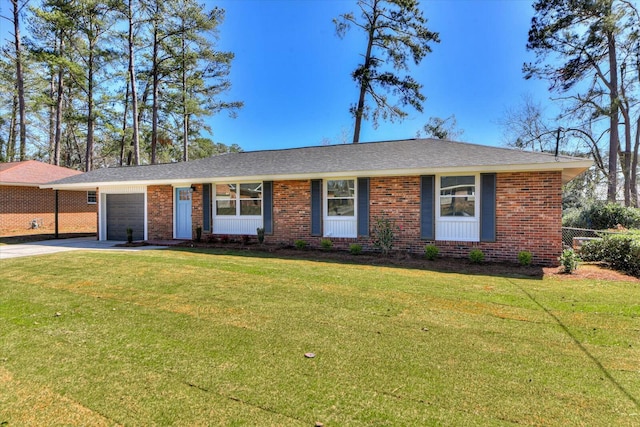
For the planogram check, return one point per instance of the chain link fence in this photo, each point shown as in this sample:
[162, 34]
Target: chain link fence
[575, 237]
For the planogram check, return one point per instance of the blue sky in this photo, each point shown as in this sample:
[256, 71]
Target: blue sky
[294, 74]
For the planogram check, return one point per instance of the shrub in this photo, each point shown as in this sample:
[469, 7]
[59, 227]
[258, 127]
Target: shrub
[260, 231]
[569, 261]
[524, 258]
[431, 252]
[198, 234]
[246, 239]
[300, 244]
[355, 248]
[620, 251]
[603, 216]
[129, 235]
[476, 256]
[225, 238]
[326, 244]
[384, 233]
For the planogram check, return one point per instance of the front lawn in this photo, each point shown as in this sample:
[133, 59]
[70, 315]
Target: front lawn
[203, 338]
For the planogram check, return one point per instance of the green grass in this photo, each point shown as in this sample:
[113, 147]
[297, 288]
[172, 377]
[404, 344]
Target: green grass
[205, 338]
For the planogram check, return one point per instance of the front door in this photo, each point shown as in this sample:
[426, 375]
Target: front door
[183, 213]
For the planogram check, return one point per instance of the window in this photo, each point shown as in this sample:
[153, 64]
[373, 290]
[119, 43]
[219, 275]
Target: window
[341, 197]
[91, 197]
[239, 199]
[458, 196]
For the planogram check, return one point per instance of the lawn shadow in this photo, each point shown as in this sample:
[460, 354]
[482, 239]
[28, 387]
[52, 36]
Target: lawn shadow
[582, 348]
[404, 261]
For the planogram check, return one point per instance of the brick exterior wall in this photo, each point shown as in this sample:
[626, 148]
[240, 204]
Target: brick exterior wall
[20, 205]
[292, 212]
[196, 209]
[160, 212]
[528, 216]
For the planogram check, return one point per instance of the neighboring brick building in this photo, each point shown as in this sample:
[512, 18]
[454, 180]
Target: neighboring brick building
[25, 208]
[457, 196]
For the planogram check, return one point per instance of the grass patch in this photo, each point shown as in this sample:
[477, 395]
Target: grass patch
[201, 337]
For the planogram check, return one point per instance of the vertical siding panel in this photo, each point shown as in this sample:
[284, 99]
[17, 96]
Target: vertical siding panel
[316, 207]
[206, 208]
[363, 207]
[427, 207]
[267, 202]
[488, 207]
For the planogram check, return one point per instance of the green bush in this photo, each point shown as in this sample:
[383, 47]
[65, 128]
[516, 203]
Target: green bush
[260, 232]
[326, 244]
[355, 248]
[524, 258]
[620, 251]
[384, 233]
[603, 216]
[300, 244]
[431, 252]
[476, 256]
[569, 260]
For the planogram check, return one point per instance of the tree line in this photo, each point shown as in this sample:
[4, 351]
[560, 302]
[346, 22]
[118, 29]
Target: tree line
[140, 76]
[103, 83]
[589, 53]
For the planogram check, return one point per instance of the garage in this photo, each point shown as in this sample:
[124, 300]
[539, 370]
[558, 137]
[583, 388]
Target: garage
[125, 211]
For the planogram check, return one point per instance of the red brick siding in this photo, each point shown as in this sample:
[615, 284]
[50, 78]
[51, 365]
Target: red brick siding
[160, 212]
[196, 208]
[528, 215]
[20, 205]
[397, 198]
[291, 212]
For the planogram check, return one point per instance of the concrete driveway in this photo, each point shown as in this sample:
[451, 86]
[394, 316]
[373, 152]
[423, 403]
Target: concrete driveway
[64, 245]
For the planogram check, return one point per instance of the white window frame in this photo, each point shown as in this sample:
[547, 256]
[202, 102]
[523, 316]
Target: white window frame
[94, 197]
[458, 228]
[336, 225]
[236, 224]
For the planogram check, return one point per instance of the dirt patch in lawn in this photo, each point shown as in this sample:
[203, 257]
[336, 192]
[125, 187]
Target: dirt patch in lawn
[593, 271]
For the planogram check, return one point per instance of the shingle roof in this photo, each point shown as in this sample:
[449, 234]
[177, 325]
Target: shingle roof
[364, 159]
[32, 173]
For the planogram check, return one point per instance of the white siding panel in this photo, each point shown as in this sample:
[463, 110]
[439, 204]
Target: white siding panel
[122, 189]
[236, 225]
[458, 231]
[340, 228]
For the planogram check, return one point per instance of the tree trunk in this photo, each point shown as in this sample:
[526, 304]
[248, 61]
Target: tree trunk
[185, 115]
[52, 115]
[156, 82]
[612, 187]
[625, 156]
[135, 140]
[11, 142]
[20, 81]
[88, 158]
[364, 82]
[60, 95]
[635, 202]
[123, 142]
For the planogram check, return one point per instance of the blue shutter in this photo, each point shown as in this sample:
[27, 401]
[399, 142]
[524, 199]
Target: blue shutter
[427, 207]
[316, 207]
[488, 207]
[206, 207]
[267, 206]
[363, 206]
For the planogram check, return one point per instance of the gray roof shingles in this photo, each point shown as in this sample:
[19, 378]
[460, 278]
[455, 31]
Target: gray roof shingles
[408, 154]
